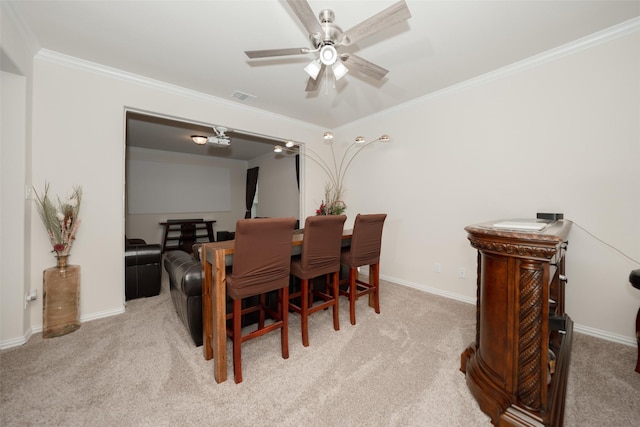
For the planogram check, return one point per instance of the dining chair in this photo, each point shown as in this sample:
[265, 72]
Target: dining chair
[261, 263]
[364, 250]
[320, 257]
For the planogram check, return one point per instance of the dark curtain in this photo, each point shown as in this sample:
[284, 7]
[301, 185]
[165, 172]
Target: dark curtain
[298, 170]
[252, 185]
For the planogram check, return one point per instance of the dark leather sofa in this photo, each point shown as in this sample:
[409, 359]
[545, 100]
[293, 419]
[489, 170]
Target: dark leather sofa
[143, 269]
[185, 283]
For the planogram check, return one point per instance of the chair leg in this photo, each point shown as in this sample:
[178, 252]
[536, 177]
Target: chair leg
[262, 302]
[304, 312]
[336, 283]
[353, 294]
[638, 339]
[284, 331]
[237, 340]
[374, 278]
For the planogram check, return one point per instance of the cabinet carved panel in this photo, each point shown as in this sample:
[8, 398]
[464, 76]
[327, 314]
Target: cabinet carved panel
[517, 368]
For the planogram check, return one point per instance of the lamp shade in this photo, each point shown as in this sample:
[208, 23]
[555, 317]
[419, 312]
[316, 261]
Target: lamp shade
[199, 139]
[313, 69]
[339, 70]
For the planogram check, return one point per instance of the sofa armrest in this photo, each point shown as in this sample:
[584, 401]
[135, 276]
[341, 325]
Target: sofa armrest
[143, 270]
[142, 254]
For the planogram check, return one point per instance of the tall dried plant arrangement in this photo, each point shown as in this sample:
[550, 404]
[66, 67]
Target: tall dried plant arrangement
[61, 219]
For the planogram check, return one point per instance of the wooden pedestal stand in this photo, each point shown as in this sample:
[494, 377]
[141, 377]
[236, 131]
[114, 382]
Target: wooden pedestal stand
[60, 301]
[518, 366]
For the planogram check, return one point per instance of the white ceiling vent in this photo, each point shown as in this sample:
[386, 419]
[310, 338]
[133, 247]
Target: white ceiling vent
[241, 96]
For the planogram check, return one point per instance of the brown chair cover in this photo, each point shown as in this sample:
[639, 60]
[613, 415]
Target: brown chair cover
[365, 242]
[262, 256]
[320, 256]
[261, 263]
[365, 247]
[320, 247]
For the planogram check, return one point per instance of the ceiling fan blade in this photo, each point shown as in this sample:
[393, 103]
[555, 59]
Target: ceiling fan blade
[305, 14]
[275, 52]
[394, 14]
[312, 84]
[357, 63]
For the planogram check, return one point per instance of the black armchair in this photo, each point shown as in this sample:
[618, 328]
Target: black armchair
[143, 269]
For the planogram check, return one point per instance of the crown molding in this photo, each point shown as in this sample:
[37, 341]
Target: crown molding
[117, 74]
[579, 45]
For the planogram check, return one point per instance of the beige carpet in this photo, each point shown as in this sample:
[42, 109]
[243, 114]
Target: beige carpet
[399, 368]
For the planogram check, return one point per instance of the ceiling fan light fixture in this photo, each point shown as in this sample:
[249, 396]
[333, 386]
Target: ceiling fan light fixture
[339, 70]
[313, 69]
[327, 38]
[199, 139]
[328, 54]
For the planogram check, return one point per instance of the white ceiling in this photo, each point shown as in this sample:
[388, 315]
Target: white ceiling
[200, 45]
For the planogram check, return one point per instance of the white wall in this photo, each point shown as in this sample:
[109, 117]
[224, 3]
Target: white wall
[15, 212]
[277, 187]
[12, 213]
[278, 195]
[147, 226]
[558, 136]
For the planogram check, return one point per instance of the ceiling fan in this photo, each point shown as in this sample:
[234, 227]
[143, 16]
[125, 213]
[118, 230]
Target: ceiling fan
[220, 138]
[326, 38]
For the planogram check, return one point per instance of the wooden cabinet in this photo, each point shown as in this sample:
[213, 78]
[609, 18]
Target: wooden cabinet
[184, 233]
[517, 368]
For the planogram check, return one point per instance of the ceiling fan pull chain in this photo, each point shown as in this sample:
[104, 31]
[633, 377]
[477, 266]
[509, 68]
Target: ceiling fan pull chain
[326, 81]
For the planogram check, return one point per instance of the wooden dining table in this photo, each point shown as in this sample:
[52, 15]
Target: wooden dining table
[216, 256]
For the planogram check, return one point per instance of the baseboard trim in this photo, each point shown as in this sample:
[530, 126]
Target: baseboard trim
[597, 333]
[18, 341]
[102, 314]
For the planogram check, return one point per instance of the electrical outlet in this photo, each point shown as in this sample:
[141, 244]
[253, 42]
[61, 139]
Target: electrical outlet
[437, 267]
[32, 296]
[462, 273]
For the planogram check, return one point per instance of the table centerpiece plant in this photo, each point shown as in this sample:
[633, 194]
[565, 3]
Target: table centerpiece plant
[332, 203]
